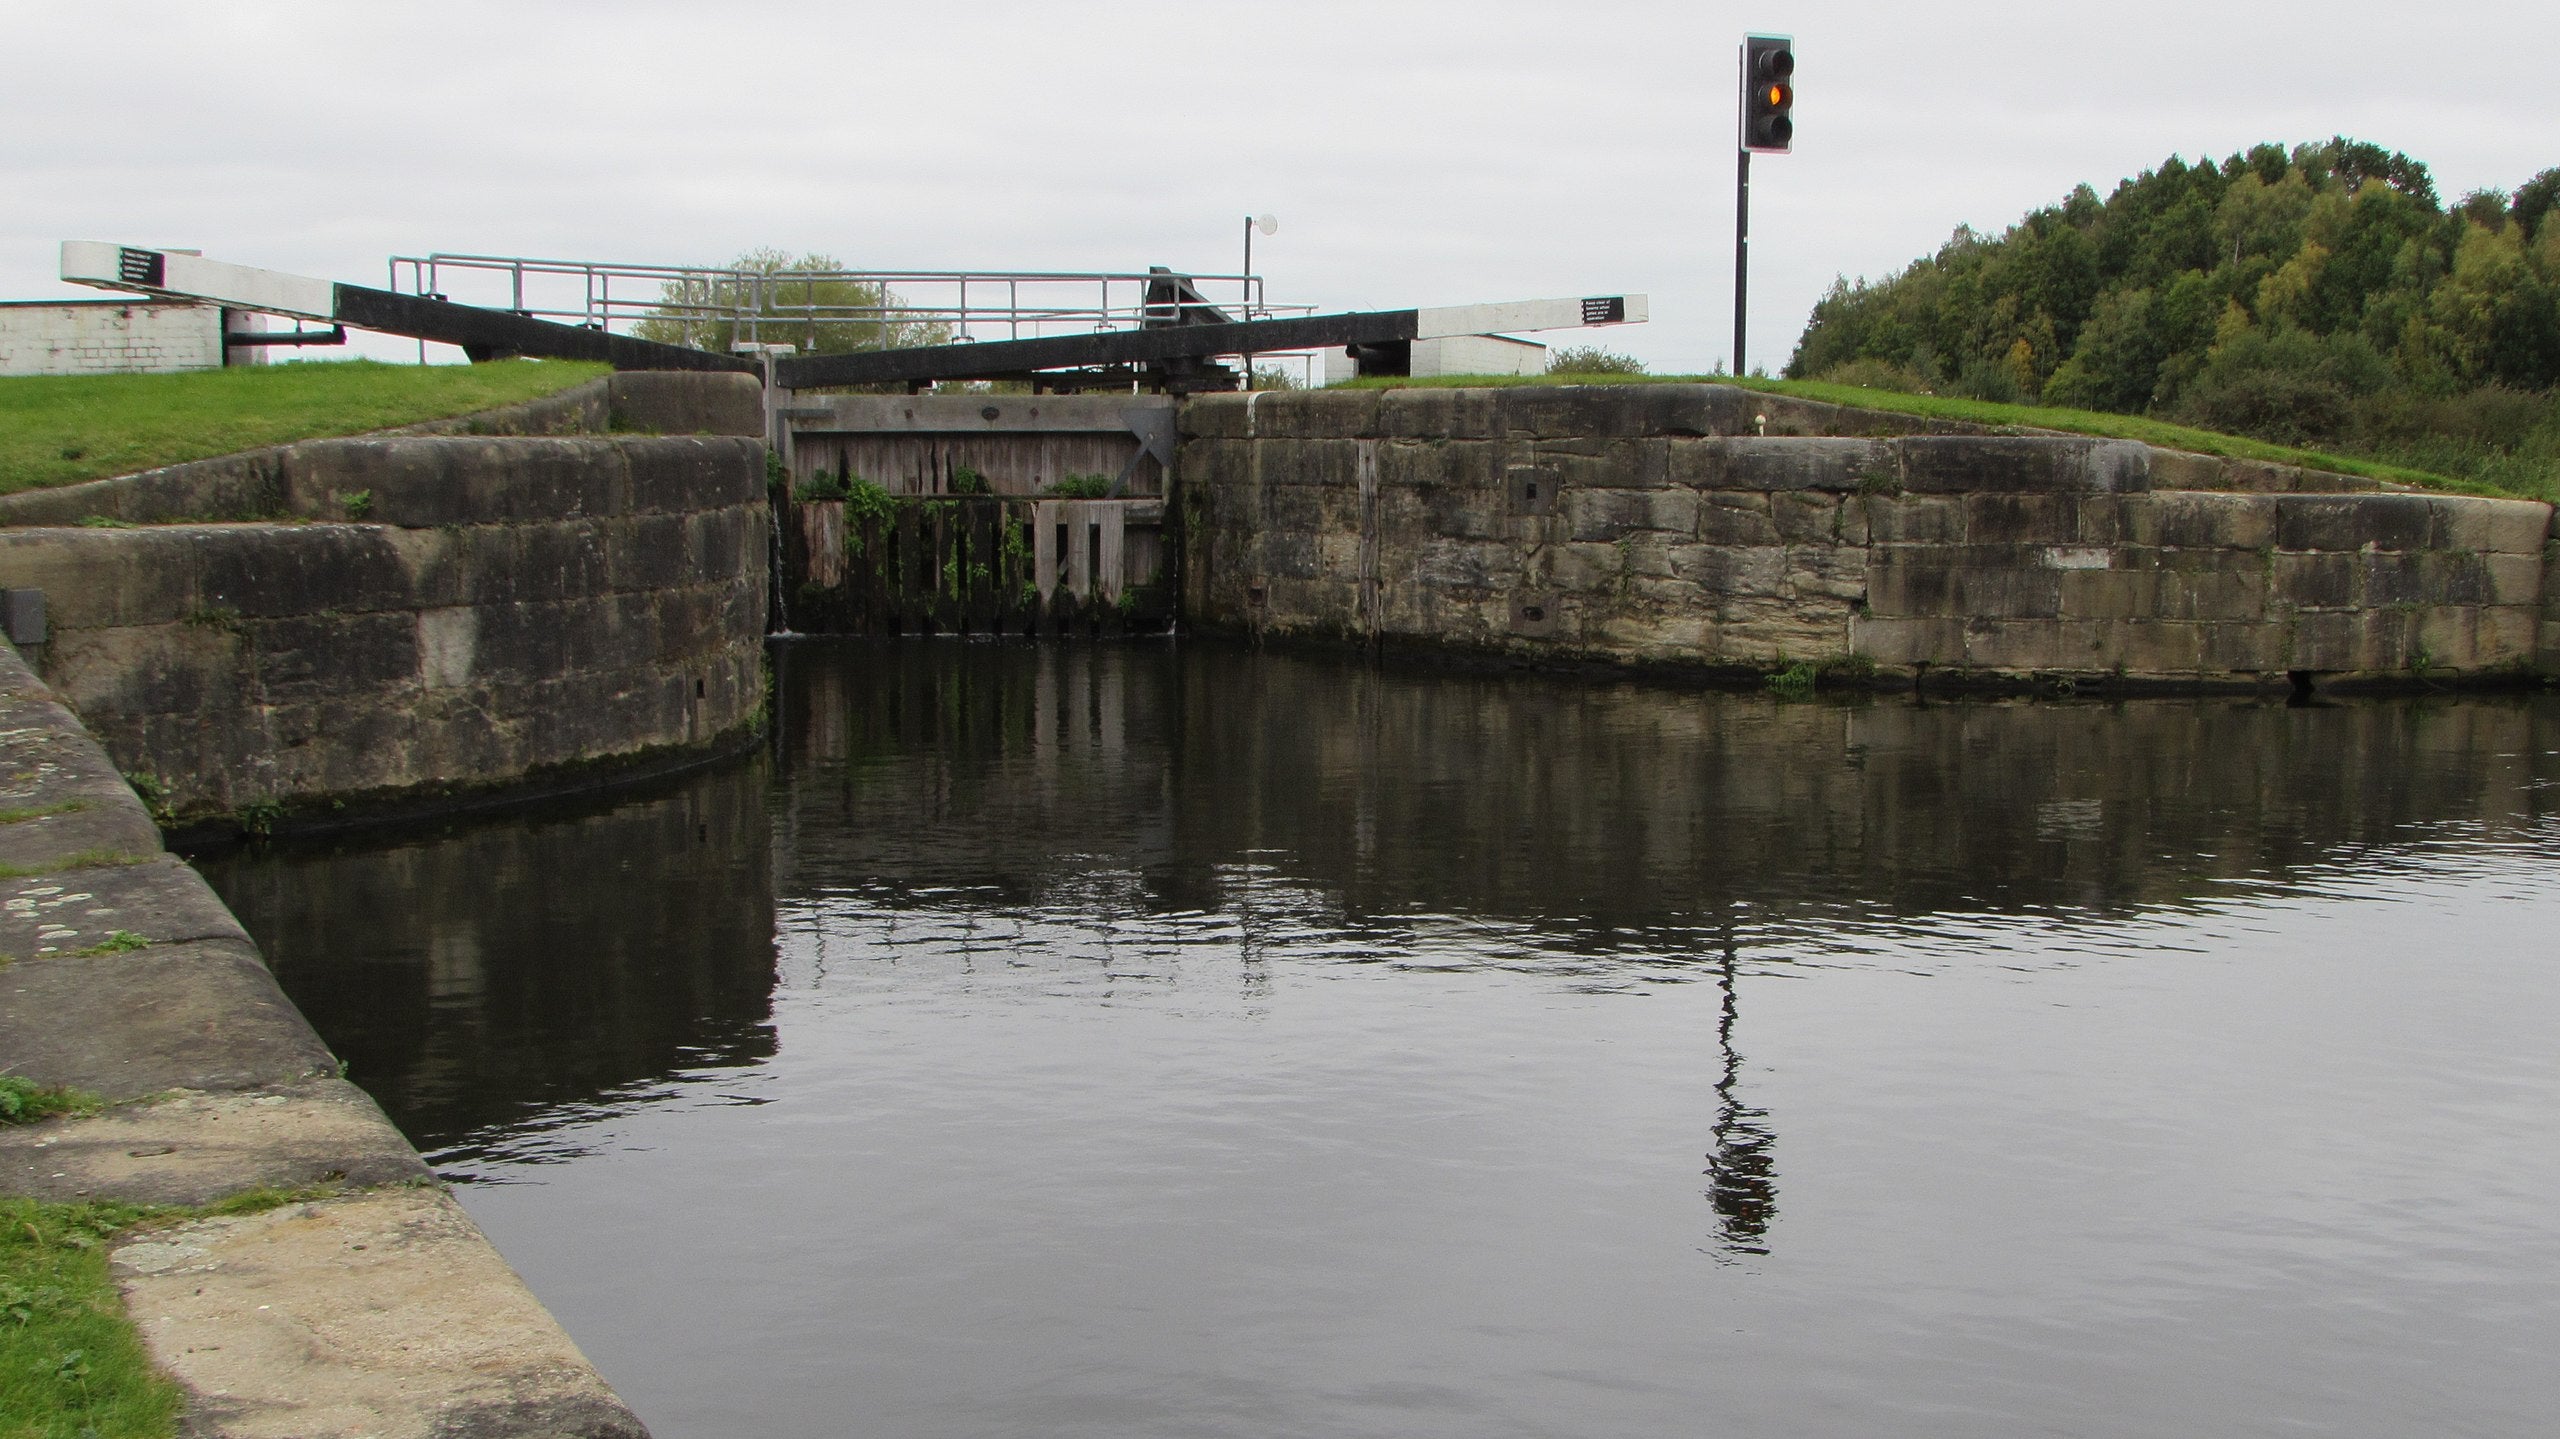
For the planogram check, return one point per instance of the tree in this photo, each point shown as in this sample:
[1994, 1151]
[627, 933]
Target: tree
[777, 297]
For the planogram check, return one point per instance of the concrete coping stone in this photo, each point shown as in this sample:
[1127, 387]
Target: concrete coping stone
[383, 1311]
[383, 1314]
[194, 1147]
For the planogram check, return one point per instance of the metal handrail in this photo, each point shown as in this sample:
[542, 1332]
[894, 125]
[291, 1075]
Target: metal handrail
[751, 300]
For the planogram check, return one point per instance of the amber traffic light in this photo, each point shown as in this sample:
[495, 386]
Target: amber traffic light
[1768, 93]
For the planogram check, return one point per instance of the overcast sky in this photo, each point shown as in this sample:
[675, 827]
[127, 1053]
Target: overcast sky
[1415, 152]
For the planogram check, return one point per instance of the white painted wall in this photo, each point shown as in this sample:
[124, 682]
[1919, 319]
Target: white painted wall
[1456, 355]
[107, 337]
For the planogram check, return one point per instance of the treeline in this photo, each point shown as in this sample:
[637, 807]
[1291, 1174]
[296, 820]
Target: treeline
[2323, 295]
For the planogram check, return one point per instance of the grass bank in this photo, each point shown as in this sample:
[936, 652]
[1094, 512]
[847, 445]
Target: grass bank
[2023, 417]
[61, 429]
[71, 1363]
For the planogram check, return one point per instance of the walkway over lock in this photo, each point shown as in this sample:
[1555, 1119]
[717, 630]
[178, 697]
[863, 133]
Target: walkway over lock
[1155, 330]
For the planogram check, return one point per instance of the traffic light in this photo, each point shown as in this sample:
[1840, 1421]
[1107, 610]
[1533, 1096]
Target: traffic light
[1768, 93]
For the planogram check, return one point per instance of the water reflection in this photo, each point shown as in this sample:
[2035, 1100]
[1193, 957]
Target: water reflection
[1742, 1171]
[1145, 1040]
[487, 981]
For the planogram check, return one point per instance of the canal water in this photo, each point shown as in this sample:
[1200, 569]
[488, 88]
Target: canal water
[1167, 1040]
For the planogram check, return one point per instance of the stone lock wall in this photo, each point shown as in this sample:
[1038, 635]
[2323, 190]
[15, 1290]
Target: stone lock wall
[420, 615]
[1714, 527]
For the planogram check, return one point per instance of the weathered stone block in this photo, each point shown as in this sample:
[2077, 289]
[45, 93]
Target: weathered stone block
[686, 402]
[2324, 641]
[1600, 463]
[2445, 636]
[182, 669]
[1961, 464]
[2511, 579]
[1593, 514]
[2009, 594]
[2507, 527]
[1752, 463]
[2005, 519]
[1575, 412]
[1731, 570]
[1822, 570]
[1736, 517]
[2316, 581]
[644, 551]
[1313, 414]
[1580, 566]
[256, 571]
[1914, 519]
[331, 654]
[1431, 414]
[1901, 641]
[2110, 594]
[2181, 519]
[2352, 522]
[2242, 647]
[98, 578]
[1806, 517]
[1899, 586]
[1459, 562]
[1461, 465]
[675, 474]
[1286, 556]
[2182, 470]
[2025, 645]
[2225, 592]
[2505, 635]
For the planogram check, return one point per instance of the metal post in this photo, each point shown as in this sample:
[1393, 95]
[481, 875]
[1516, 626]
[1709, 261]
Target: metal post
[1247, 282]
[1741, 252]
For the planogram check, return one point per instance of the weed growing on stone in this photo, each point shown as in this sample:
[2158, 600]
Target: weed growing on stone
[81, 859]
[216, 617]
[155, 793]
[118, 941]
[23, 1101]
[104, 522]
[358, 504]
[1796, 681]
[21, 816]
[258, 817]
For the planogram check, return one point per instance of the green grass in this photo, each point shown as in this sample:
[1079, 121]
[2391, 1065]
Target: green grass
[23, 1101]
[61, 429]
[78, 859]
[22, 815]
[71, 1363]
[2024, 417]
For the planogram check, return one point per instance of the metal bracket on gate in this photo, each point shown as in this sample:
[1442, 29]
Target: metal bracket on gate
[1157, 430]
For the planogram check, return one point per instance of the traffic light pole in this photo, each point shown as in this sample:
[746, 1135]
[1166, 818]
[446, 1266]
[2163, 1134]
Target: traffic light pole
[1741, 252]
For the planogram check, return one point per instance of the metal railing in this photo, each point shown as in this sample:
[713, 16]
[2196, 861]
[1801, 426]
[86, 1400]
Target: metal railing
[702, 305]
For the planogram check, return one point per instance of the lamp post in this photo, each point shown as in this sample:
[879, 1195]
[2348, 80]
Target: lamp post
[1269, 225]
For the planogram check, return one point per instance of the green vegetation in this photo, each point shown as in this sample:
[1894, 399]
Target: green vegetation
[821, 486]
[74, 1365]
[84, 859]
[258, 818]
[23, 1101]
[791, 306]
[155, 792]
[25, 813]
[2318, 296]
[357, 503]
[1081, 487]
[1591, 360]
[60, 429]
[2013, 418]
[118, 941]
